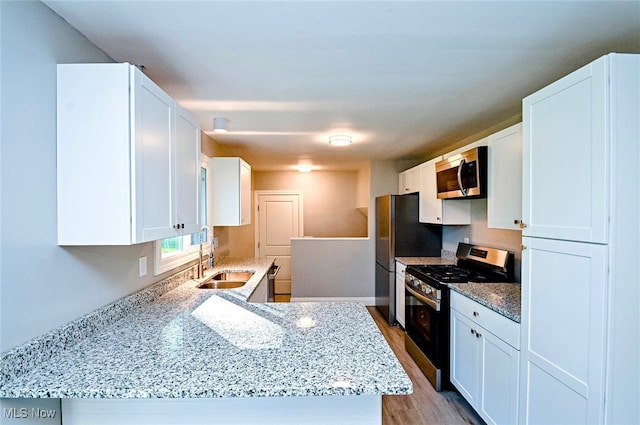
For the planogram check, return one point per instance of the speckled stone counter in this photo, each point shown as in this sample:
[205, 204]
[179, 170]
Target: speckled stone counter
[503, 298]
[204, 343]
[411, 261]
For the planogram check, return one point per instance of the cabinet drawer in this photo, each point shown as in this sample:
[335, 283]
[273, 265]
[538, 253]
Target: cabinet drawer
[497, 324]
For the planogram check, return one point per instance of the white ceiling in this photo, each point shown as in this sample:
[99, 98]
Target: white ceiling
[405, 79]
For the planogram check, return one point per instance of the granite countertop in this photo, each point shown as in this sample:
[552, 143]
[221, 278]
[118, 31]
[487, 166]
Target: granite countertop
[410, 261]
[503, 298]
[203, 343]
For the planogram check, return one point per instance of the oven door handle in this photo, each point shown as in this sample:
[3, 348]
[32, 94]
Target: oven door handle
[431, 303]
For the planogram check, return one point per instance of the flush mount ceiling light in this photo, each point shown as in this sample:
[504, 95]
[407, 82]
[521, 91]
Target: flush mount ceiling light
[220, 125]
[340, 140]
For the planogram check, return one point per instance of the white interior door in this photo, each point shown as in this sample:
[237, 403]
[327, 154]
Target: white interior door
[279, 216]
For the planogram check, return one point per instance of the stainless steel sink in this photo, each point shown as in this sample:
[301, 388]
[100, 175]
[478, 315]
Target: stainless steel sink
[241, 276]
[226, 280]
[220, 284]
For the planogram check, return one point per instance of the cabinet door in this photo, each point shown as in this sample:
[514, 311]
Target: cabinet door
[403, 183]
[409, 181]
[430, 205]
[153, 115]
[464, 369]
[499, 366]
[504, 197]
[187, 173]
[245, 193]
[563, 331]
[565, 157]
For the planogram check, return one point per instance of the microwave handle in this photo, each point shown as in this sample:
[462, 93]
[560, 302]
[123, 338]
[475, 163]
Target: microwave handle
[463, 189]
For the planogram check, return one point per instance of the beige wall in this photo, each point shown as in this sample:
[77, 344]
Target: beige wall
[330, 200]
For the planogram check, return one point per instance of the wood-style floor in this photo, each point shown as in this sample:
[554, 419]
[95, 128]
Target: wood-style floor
[425, 406]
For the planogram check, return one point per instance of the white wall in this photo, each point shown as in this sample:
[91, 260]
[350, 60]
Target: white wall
[42, 285]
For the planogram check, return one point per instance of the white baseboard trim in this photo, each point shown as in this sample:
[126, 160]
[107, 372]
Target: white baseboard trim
[368, 301]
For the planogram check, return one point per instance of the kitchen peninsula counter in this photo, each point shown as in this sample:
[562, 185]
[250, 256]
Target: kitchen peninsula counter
[191, 343]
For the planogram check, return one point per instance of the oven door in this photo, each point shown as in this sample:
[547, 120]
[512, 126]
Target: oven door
[427, 327]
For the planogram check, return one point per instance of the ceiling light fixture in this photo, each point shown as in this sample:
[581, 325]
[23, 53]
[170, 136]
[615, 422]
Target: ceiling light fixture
[340, 140]
[220, 125]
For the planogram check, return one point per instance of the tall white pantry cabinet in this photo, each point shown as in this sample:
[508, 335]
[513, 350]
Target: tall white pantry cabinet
[580, 291]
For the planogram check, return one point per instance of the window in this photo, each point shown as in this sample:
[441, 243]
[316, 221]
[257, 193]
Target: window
[174, 252]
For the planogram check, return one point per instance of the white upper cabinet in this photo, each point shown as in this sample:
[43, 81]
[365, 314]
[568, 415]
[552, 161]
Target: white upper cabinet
[187, 181]
[127, 158]
[409, 181]
[504, 180]
[565, 157]
[231, 192]
[439, 211]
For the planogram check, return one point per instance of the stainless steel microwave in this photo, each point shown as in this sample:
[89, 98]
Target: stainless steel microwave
[463, 175]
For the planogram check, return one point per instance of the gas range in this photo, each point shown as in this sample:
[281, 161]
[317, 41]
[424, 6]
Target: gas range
[475, 264]
[427, 303]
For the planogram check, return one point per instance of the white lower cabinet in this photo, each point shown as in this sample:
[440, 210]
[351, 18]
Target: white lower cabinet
[400, 270]
[485, 359]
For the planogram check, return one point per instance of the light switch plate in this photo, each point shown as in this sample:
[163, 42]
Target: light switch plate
[142, 266]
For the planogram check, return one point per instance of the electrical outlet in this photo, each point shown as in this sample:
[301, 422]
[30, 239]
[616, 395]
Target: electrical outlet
[142, 266]
[466, 240]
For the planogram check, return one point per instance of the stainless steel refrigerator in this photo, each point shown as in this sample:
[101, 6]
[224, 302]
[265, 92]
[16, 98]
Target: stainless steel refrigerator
[399, 234]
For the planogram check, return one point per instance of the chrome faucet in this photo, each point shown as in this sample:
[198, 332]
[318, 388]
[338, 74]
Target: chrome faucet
[209, 231]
